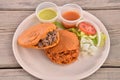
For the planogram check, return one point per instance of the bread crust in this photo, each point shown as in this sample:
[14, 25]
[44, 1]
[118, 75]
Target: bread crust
[31, 36]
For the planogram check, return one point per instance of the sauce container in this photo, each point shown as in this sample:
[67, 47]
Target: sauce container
[47, 12]
[70, 14]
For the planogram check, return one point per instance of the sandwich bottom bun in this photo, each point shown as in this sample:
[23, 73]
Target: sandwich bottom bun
[66, 51]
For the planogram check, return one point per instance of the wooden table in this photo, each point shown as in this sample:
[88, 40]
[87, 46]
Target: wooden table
[12, 12]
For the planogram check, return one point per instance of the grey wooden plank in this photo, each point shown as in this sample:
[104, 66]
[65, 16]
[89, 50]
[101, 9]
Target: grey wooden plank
[10, 20]
[15, 74]
[20, 74]
[105, 74]
[31, 4]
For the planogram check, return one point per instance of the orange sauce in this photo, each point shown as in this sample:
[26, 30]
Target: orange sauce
[71, 15]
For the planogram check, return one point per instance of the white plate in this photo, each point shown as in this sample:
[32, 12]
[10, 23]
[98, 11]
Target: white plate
[36, 63]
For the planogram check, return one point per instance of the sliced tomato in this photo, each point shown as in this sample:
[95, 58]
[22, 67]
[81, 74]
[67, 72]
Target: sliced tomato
[87, 28]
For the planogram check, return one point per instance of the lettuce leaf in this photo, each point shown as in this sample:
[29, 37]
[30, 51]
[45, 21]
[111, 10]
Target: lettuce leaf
[95, 40]
[103, 39]
[59, 24]
[76, 31]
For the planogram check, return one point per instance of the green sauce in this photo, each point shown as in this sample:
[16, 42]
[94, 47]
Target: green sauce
[47, 14]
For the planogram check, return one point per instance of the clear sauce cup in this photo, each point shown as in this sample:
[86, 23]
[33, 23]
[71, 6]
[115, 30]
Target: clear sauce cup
[70, 10]
[47, 5]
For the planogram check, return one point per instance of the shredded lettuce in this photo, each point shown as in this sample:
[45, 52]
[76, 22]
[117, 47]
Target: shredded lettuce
[83, 34]
[92, 36]
[87, 45]
[76, 31]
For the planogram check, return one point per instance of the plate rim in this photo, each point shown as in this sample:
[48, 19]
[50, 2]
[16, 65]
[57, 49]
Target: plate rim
[26, 68]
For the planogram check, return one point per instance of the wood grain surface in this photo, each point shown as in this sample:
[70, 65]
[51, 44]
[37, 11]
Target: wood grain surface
[13, 12]
[20, 74]
[10, 22]
[86, 4]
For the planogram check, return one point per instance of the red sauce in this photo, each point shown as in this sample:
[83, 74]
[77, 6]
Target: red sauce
[71, 15]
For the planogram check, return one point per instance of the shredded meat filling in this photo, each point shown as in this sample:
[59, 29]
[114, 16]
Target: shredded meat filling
[63, 57]
[50, 38]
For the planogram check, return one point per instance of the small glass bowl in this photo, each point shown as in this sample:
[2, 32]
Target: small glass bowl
[70, 7]
[45, 5]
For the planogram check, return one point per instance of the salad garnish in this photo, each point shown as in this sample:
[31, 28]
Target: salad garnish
[87, 35]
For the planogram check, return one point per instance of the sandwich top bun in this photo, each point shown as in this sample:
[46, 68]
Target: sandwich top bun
[38, 34]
